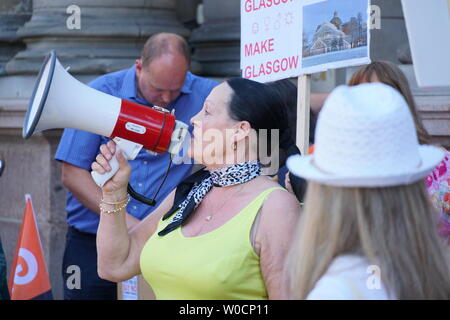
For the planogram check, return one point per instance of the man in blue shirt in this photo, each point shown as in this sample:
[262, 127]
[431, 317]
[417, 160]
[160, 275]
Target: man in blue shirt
[159, 78]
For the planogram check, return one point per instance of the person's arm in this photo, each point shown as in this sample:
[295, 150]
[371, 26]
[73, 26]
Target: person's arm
[76, 151]
[287, 183]
[79, 181]
[273, 237]
[118, 250]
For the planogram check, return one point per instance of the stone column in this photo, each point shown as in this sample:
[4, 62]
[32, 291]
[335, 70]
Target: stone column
[217, 41]
[433, 105]
[110, 34]
[392, 37]
[110, 38]
[13, 14]
[30, 169]
[187, 12]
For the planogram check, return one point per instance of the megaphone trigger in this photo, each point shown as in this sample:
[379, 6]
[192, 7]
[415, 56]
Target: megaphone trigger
[129, 149]
[101, 179]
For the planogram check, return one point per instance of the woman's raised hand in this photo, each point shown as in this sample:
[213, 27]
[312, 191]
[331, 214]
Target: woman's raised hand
[115, 189]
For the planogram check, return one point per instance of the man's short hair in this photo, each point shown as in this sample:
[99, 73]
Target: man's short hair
[164, 43]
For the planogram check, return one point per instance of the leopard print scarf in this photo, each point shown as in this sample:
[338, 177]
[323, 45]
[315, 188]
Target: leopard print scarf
[223, 177]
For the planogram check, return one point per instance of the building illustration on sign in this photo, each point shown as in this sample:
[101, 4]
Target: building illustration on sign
[336, 36]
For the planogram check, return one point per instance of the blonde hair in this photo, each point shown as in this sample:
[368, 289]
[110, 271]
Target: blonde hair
[393, 227]
[391, 75]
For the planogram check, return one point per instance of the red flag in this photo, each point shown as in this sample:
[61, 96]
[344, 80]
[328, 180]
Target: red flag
[29, 277]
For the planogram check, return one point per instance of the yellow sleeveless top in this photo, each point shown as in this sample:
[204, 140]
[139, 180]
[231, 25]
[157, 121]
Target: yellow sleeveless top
[218, 265]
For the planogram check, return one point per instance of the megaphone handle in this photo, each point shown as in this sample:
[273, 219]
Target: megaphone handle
[101, 179]
[129, 149]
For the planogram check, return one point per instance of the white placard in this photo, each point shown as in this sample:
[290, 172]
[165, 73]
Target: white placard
[286, 38]
[334, 34]
[428, 26]
[270, 46]
[130, 289]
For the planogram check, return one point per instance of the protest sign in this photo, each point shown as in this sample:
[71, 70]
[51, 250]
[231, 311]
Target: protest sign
[335, 34]
[428, 27]
[269, 47]
[135, 288]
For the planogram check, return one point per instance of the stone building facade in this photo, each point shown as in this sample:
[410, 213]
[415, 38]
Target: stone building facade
[110, 37]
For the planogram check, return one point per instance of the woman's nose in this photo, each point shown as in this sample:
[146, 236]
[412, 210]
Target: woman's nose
[195, 120]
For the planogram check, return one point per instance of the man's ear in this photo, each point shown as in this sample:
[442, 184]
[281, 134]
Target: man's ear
[138, 64]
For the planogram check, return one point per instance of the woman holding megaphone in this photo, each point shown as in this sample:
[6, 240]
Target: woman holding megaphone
[220, 234]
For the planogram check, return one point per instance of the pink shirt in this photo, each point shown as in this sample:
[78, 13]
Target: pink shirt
[438, 186]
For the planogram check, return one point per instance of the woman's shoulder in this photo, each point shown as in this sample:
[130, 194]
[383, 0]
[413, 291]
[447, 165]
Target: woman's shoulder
[277, 192]
[265, 182]
[280, 209]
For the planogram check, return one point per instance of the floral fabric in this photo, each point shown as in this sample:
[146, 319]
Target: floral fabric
[438, 186]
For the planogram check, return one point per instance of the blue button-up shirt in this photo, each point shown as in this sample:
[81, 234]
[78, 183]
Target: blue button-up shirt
[80, 148]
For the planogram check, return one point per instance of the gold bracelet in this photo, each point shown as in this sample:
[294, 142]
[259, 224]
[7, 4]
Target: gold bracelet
[117, 210]
[115, 203]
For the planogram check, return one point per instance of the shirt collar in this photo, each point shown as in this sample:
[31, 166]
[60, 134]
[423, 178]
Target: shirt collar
[129, 88]
[187, 83]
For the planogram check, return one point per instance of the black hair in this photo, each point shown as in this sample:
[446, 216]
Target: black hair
[261, 106]
[288, 93]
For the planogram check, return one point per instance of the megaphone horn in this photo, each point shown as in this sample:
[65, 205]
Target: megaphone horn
[61, 101]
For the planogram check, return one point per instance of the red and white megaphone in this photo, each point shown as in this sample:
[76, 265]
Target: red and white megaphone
[61, 101]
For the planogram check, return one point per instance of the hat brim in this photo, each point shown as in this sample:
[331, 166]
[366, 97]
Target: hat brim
[303, 166]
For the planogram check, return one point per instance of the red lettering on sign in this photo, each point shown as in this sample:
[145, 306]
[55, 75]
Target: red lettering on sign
[255, 5]
[269, 67]
[248, 49]
[260, 47]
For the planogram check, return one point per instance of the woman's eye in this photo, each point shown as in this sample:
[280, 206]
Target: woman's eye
[206, 112]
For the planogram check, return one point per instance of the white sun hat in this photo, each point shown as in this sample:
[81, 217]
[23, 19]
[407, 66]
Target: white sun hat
[365, 137]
